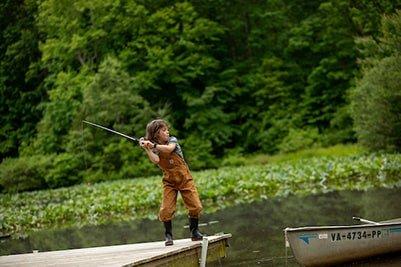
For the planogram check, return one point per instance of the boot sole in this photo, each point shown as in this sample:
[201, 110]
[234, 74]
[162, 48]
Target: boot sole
[196, 239]
[168, 243]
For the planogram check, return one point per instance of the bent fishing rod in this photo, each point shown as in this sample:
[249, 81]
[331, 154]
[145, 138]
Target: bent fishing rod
[112, 131]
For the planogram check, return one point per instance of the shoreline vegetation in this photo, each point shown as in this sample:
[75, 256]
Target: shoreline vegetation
[242, 180]
[268, 77]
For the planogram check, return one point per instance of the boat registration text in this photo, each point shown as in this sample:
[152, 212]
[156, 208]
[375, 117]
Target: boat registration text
[355, 235]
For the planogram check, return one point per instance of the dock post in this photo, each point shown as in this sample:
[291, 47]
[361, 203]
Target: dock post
[203, 258]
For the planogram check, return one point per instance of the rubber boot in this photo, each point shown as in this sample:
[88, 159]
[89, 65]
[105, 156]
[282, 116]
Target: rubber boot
[168, 233]
[193, 227]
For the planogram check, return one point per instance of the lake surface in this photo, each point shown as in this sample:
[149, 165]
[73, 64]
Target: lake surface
[257, 228]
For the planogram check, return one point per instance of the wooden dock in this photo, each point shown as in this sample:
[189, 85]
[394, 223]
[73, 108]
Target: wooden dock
[184, 252]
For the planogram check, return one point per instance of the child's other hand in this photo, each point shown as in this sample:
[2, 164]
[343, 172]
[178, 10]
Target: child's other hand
[142, 142]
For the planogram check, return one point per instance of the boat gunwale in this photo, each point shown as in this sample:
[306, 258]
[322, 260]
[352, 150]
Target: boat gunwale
[334, 227]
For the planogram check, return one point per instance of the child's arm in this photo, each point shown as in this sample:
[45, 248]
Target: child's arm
[166, 148]
[152, 156]
[147, 146]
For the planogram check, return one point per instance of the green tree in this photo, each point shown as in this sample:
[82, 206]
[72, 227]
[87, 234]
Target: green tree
[255, 73]
[81, 33]
[376, 100]
[321, 64]
[20, 76]
[322, 47]
[59, 113]
[111, 101]
[230, 77]
[173, 59]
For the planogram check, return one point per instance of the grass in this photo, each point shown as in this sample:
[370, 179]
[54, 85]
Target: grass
[337, 150]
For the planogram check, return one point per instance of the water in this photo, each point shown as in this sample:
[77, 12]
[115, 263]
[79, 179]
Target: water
[257, 228]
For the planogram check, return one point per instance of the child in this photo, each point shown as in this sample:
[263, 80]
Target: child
[164, 150]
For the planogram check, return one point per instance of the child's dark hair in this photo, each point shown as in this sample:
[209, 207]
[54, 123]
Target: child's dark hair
[153, 128]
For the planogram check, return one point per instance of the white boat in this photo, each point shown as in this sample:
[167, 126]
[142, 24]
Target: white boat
[326, 245]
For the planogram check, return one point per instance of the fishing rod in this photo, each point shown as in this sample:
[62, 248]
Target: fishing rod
[112, 131]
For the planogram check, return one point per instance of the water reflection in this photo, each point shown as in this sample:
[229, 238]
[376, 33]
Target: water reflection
[257, 228]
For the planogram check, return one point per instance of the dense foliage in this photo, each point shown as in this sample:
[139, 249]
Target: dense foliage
[377, 96]
[231, 79]
[221, 188]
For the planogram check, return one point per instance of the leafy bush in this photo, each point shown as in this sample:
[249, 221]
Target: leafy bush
[298, 139]
[65, 170]
[198, 153]
[23, 174]
[40, 172]
[341, 129]
[234, 157]
[119, 160]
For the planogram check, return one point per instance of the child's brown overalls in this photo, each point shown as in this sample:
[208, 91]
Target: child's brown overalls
[176, 177]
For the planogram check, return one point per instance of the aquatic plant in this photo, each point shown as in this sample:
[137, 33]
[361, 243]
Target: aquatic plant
[220, 188]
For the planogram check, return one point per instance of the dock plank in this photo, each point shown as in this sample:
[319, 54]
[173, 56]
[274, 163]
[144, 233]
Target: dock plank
[151, 253]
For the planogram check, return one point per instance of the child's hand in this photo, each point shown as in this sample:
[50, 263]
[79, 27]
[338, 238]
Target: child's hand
[145, 143]
[149, 144]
